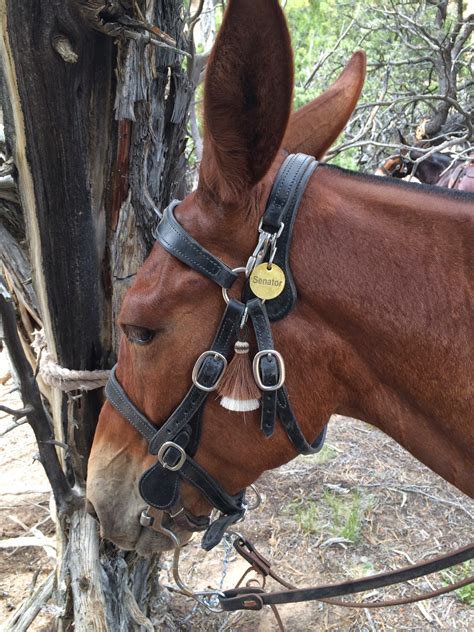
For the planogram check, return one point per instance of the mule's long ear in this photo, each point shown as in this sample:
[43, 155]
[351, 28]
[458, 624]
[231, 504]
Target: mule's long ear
[315, 126]
[247, 98]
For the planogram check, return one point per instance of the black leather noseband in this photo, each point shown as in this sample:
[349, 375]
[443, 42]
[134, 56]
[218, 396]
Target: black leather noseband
[176, 441]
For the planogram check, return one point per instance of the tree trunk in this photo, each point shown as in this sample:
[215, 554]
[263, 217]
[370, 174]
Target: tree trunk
[95, 119]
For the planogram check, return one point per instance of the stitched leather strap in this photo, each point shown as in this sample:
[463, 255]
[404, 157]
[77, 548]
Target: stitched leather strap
[195, 397]
[287, 190]
[277, 402]
[268, 366]
[181, 245]
[120, 400]
[210, 370]
[283, 204]
[292, 428]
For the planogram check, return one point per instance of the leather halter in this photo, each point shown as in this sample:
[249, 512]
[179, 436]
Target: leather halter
[176, 441]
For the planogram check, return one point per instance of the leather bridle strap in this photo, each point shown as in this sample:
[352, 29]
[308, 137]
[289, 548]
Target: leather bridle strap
[211, 368]
[276, 402]
[196, 396]
[176, 441]
[251, 598]
[181, 245]
[159, 484]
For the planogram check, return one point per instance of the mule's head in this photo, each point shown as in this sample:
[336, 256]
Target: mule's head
[396, 166]
[171, 313]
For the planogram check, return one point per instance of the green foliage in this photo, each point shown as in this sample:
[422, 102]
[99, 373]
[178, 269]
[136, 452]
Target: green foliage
[412, 61]
[344, 514]
[403, 65]
[466, 593]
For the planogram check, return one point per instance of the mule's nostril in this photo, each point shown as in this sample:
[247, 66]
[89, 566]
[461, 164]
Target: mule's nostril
[90, 510]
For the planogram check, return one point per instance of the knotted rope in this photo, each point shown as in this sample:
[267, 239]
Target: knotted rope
[59, 377]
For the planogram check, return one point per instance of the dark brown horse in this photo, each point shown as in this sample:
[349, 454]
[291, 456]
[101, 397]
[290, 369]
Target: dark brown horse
[383, 326]
[438, 169]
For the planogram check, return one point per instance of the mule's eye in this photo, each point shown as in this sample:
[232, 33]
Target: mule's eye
[138, 335]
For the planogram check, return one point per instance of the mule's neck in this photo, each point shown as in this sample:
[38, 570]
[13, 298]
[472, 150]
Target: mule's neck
[383, 272]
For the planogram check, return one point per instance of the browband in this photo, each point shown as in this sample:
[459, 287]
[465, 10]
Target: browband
[181, 245]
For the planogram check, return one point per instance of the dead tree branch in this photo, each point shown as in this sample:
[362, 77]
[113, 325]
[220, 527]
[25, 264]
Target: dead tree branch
[66, 498]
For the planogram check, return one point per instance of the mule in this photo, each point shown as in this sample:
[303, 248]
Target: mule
[382, 329]
[438, 169]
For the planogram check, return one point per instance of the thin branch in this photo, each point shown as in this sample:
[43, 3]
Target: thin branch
[14, 426]
[328, 54]
[19, 412]
[26, 613]
[66, 498]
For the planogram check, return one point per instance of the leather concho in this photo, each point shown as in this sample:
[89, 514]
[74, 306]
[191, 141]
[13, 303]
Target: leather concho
[159, 486]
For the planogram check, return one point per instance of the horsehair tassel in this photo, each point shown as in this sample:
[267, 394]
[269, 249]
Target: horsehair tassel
[238, 390]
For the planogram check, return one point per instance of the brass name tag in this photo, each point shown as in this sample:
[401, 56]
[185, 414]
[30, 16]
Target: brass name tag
[267, 283]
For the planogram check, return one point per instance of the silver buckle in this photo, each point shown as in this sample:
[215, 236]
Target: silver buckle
[198, 365]
[256, 369]
[161, 454]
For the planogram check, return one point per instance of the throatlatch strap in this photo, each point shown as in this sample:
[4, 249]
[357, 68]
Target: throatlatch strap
[181, 245]
[277, 402]
[292, 428]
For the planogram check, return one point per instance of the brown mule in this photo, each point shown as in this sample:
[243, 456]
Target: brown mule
[439, 169]
[383, 326]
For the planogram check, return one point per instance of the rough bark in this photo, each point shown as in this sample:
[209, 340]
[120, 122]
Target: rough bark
[96, 127]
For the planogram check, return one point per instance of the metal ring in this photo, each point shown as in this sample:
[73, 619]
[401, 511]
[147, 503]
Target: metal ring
[198, 365]
[161, 453]
[225, 292]
[258, 498]
[256, 369]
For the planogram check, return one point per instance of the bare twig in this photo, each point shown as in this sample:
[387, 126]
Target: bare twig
[27, 612]
[16, 424]
[19, 412]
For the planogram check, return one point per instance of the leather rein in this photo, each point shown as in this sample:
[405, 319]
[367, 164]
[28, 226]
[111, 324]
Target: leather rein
[176, 441]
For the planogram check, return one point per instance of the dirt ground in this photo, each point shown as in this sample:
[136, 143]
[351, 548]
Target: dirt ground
[363, 505]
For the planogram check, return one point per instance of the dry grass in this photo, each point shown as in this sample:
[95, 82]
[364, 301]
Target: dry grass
[363, 505]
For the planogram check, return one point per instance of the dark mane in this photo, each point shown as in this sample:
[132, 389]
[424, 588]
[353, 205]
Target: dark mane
[444, 192]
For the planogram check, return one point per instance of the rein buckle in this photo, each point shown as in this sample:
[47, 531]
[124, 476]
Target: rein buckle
[161, 456]
[281, 369]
